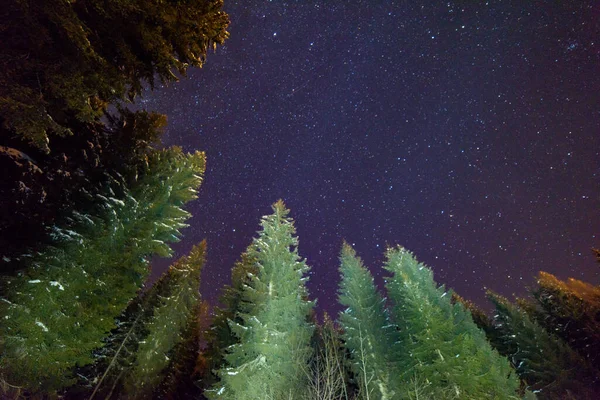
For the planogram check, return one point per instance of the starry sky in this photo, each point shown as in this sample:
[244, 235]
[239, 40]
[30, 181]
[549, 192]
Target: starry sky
[468, 132]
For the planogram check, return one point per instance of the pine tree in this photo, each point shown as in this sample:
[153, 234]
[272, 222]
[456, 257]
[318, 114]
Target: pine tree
[480, 318]
[109, 50]
[571, 310]
[175, 298]
[367, 332]
[181, 375]
[58, 310]
[549, 367]
[67, 66]
[274, 332]
[219, 335]
[39, 190]
[444, 354]
[147, 348]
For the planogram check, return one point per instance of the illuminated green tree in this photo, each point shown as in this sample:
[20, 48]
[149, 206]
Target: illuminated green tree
[367, 332]
[173, 299]
[58, 310]
[180, 381]
[444, 354]
[274, 330]
[68, 70]
[219, 335]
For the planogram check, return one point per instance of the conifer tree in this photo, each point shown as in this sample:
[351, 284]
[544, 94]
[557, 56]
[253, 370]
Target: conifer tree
[181, 375]
[367, 332]
[549, 367]
[108, 51]
[571, 310]
[147, 347]
[444, 353]
[67, 67]
[274, 331]
[480, 318]
[39, 190]
[175, 298]
[219, 335]
[58, 310]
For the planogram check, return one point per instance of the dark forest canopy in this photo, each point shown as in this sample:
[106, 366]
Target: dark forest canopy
[67, 60]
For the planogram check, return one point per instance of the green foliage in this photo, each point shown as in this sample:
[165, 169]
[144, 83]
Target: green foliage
[108, 51]
[274, 333]
[219, 335]
[571, 310]
[57, 310]
[174, 298]
[181, 374]
[141, 352]
[480, 318]
[444, 354]
[39, 190]
[367, 332]
[549, 367]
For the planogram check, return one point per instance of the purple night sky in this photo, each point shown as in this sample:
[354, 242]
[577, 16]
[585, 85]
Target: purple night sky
[468, 133]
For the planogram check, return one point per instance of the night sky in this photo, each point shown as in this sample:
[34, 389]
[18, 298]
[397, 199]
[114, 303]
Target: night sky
[468, 133]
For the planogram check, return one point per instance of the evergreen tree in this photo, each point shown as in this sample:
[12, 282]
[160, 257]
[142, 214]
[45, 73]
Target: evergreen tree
[219, 335]
[39, 190]
[63, 64]
[367, 332]
[181, 375]
[274, 332]
[480, 318]
[571, 310]
[57, 310]
[549, 367]
[176, 298]
[108, 51]
[444, 354]
[148, 346]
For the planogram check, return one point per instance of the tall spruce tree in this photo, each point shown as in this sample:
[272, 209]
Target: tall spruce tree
[176, 300]
[548, 366]
[571, 310]
[147, 347]
[55, 312]
[39, 190]
[445, 355]
[181, 374]
[367, 332]
[219, 335]
[274, 330]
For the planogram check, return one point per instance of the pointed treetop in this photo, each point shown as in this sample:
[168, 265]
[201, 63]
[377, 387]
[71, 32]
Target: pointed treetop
[279, 209]
[347, 250]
